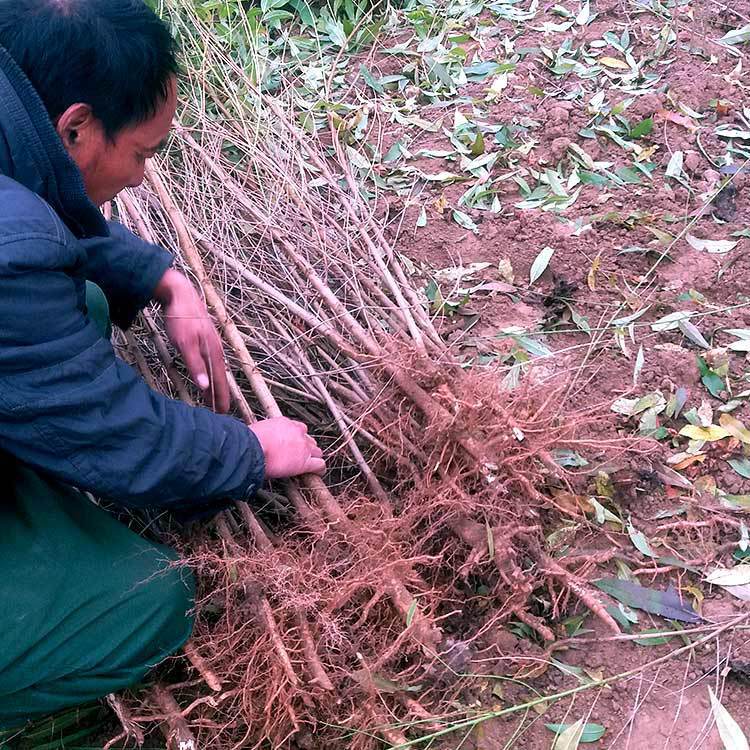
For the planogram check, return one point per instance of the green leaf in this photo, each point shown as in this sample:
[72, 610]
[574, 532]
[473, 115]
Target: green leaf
[640, 542]
[411, 613]
[674, 168]
[714, 384]
[629, 176]
[566, 457]
[370, 80]
[741, 466]
[394, 152]
[465, 221]
[591, 732]
[667, 604]
[570, 737]
[737, 36]
[659, 640]
[591, 178]
[422, 218]
[603, 514]
[644, 127]
[580, 321]
[539, 266]
[729, 731]
[621, 616]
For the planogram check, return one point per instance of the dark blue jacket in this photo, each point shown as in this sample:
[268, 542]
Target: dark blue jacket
[68, 405]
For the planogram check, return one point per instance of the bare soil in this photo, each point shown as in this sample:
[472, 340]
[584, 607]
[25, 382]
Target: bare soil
[666, 706]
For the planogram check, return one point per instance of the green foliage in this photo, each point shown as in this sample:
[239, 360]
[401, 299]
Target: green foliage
[274, 13]
[68, 729]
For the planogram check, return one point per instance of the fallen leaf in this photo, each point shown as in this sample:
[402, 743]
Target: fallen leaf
[566, 457]
[570, 738]
[729, 731]
[441, 204]
[741, 466]
[602, 514]
[642, 128]
[672, 479]
[671, 321]
[739, 592]
[689, 460]
[595, 266]
[691, 331]
[709, 434]
[505, 269]
[674, 168]
[735, 428]
[613, 62]
[584, 15]
[737, 36]
[710, 246]
[591, 732]
[663, 603]
[739, 575]
[540, 264]
[465, 221]
[640, 542]
[743, 344]
[678, 119]
[639, 362]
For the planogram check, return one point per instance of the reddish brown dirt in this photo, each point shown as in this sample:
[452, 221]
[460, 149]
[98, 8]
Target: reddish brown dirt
[666, 706]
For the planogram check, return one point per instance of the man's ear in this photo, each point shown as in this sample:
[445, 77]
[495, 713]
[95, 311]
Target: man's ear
[76, 126]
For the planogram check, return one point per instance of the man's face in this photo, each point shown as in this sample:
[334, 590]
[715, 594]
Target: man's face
[110, 165]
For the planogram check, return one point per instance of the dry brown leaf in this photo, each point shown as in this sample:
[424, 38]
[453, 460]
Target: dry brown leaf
[595, 266]
[678, 119]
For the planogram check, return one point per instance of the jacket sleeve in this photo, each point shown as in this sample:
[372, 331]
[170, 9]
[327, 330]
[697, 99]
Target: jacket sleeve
[127, 269]
[71, 408]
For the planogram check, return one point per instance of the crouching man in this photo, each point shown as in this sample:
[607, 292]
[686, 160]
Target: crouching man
[87, 95]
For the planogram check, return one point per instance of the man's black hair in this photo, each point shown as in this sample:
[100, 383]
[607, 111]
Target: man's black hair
[117, 56]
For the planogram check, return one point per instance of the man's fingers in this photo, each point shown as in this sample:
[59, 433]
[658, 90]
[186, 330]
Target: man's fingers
[196, 366]
[315, 466]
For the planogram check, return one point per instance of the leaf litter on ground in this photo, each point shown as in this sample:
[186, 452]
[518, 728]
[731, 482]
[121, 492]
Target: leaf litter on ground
[667, 604]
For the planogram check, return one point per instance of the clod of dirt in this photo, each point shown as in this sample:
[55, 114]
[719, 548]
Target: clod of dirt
[725, 203]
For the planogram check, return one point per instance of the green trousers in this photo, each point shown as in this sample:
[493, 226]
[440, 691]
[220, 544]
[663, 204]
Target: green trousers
[87, 607]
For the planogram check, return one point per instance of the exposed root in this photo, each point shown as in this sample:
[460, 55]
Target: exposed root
[199, 663]
[175, 728]
[360, 603]
[578, 588]
[130, 728]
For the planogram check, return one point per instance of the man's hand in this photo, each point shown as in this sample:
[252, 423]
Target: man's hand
[288, 449]
[192, 332]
